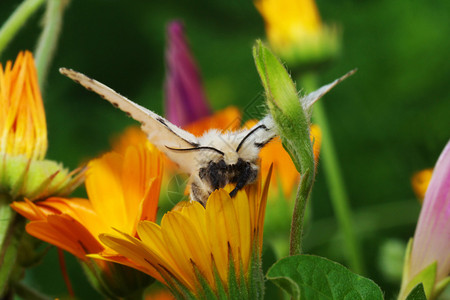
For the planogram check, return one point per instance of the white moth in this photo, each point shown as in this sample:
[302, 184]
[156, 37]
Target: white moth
[212, 160]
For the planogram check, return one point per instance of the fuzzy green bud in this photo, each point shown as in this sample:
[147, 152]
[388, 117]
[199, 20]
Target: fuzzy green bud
[284, 105]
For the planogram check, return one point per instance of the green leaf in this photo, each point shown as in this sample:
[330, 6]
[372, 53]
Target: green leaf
[313, 277]
[418, 293]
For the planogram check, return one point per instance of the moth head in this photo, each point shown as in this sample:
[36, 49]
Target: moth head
[230, 157]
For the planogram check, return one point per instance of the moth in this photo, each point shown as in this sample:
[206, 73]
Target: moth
[212, 160]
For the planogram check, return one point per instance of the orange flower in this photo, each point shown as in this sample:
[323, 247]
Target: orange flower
[420, 181]
[23, 129]
[199, 250]
[23, 137]
[123, 189]
[133, 135]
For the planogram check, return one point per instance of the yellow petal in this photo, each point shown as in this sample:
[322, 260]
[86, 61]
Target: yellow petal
[133, 250]
[242, 211]
[217, 231]
[186, 246]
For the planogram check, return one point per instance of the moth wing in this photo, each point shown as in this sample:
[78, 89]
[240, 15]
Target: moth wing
[262, 137]
[160, 132]
[255, 138]
[308, 100]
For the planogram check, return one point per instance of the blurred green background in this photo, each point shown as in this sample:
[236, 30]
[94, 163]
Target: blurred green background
[389, 120]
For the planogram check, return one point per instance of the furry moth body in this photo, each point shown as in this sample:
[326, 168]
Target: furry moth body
[212, 160]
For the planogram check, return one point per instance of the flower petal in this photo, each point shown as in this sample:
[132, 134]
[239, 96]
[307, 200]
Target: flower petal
[185, 99]
[65, 233]
[432, 236]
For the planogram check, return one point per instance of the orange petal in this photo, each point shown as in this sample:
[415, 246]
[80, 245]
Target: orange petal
[104, 188]
[65, 233]
[29, 210]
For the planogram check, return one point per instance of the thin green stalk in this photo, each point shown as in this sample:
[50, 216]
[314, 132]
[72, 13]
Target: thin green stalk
[49, 37]
[13, 228]
[333, 175]
[6, 217]
[303, 194]
[17, 20]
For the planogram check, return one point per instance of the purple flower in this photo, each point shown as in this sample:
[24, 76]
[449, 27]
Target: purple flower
[185, 100]
[429, 260]
[432, 236]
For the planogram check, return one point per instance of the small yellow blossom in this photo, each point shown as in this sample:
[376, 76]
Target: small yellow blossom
[420, 181]
[295, 31]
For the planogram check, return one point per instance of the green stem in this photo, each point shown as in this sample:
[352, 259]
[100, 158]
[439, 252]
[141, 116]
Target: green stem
[6, 218]
[13, 227]
[17, 20]
[303, 193]
[333, 175]
[49, 37]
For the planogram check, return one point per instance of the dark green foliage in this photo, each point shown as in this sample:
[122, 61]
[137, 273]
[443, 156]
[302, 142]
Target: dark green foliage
[311, 277]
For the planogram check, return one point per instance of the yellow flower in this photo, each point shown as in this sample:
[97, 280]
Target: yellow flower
[295, 31]
[123, 188]
[23, 137]
[201, 250]
[420, 181]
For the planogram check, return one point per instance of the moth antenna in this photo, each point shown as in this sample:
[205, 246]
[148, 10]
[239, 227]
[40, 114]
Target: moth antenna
[262, 126]
[196, 148]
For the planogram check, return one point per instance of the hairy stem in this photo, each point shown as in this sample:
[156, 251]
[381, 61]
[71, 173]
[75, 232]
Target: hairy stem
[303, 193]
[12, 229]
